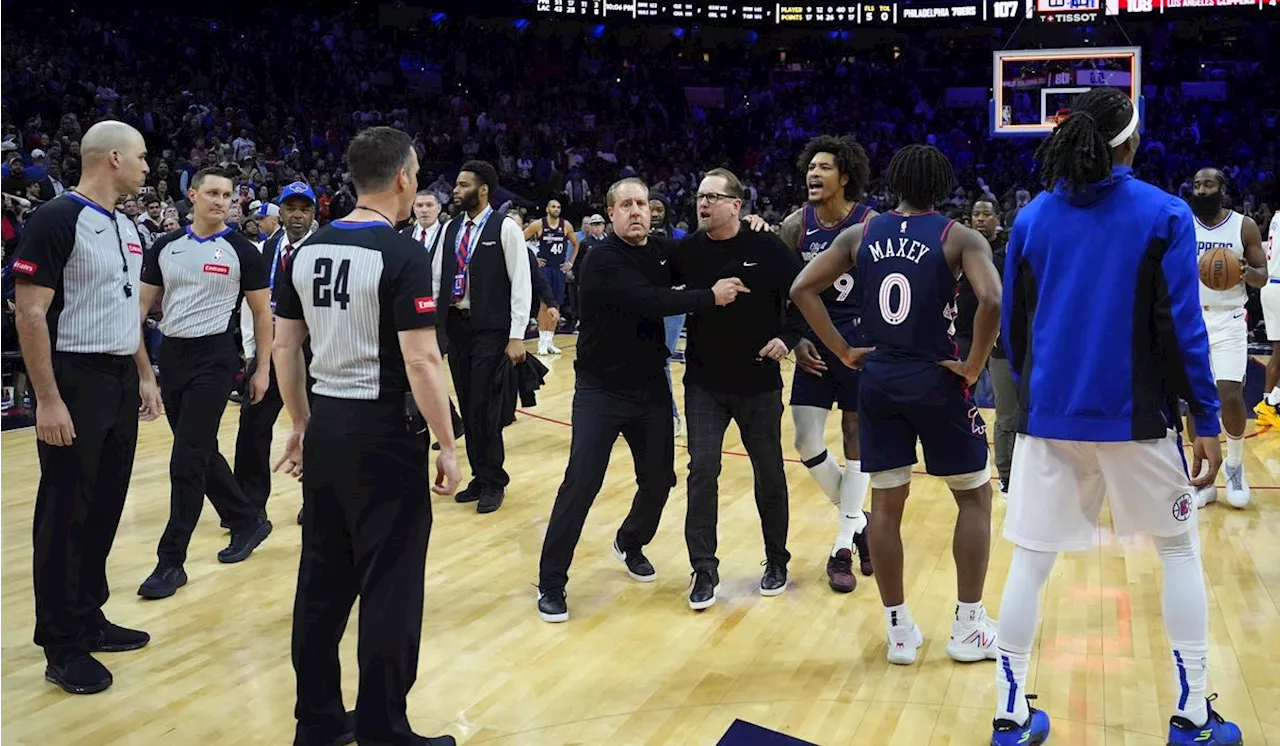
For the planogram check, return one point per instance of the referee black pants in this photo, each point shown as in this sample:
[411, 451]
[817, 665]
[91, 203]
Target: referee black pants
[643, 418]
[759, 417]
[368, 500]
[253, 439]
[476, 360]
[80, 497]
[196, 377]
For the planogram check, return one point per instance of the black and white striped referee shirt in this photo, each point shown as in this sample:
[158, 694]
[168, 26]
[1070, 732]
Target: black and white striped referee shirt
[203, 279]
[92, 258]
[358, 285]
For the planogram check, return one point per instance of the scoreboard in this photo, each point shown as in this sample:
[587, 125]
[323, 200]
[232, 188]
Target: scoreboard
[887, 12]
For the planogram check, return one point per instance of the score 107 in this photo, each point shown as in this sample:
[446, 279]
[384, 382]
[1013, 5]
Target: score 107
[1005, 9]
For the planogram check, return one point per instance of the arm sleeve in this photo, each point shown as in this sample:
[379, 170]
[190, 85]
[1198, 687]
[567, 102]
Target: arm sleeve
[46, 244]
[288, 304]
[789, 266]
[413, 302]
[1013, 311]
[516, 255]
[254, 269]
[1180, 321]
[623, 285]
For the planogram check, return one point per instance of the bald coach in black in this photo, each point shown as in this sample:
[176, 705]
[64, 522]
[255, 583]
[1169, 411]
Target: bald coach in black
[364, 293]
[204, 270]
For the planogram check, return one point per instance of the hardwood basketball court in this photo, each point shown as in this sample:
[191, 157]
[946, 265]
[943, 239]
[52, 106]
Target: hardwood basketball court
[634, 665]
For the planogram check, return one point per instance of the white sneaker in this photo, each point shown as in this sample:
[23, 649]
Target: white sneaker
[542, 349]
[552, 349]
[1237, 487]
[904, 644]
[1206, 495]
[973, 641]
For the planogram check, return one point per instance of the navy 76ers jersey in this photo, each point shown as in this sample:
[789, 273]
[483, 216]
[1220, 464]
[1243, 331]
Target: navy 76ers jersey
[908, 290]
[840, 299]
[551, 244]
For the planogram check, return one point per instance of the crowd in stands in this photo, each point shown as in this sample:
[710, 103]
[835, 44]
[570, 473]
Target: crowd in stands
[275, 99]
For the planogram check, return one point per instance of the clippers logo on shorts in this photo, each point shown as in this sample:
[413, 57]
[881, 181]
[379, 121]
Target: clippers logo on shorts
[217, 269]
[424, 305]
[25, 267]
[975, 422]
[1182, 507]
[134, 248]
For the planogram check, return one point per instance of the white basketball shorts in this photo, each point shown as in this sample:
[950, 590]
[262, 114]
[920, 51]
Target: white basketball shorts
[1228, 342]
[1270, 296]
[1057, 487]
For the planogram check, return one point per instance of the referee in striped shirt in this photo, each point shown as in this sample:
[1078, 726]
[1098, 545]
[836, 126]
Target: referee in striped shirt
[364, 293]
[77, 268]
[204, 270]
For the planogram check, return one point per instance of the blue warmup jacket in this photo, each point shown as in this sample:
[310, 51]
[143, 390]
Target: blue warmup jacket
[1101, 315]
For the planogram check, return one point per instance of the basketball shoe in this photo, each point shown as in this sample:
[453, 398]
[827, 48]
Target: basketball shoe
[1217, 731]
[1267, 416]
[973, 639]
[1237, 487]
[904, 644]
[1031, 733]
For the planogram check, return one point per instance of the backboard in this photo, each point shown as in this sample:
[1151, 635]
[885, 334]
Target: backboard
[1032, 89]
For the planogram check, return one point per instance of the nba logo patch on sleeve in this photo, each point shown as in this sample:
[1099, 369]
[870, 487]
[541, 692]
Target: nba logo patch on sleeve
[424, 305]
[22, 266]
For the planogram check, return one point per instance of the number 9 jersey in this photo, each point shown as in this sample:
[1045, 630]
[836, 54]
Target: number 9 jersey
[840, 299]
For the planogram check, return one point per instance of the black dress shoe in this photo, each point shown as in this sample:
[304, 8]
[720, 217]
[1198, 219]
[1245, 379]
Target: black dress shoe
[490, 500]
[163, 582]
[112, 638]
[705, 585]
[244, 541]
[774, 581]
[470, 494]
[79, 674]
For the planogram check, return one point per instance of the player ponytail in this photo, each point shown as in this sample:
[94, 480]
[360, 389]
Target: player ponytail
[1077, 152]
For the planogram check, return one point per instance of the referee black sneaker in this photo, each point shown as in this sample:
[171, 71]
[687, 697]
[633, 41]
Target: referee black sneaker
[551, 605]
[638, 566]
[470, 493]
[774, 580]
[78, 673]
[163, 582]
[705, 585]
[112, 638]
[490, 500]
[244, 541]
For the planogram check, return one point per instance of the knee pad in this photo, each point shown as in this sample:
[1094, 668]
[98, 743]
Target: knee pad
[1180, 548]
[887, 480]
[810, 423]
[971, 481]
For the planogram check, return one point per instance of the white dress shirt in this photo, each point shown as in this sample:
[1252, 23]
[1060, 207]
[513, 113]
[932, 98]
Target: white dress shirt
[517, 261]
[246, 314]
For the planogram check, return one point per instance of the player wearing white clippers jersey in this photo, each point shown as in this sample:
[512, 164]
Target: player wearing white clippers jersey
[1266, 409]
[1224, 318]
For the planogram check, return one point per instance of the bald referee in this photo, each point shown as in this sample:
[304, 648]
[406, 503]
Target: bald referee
[364, 292]
[78, 268]
[204, 271]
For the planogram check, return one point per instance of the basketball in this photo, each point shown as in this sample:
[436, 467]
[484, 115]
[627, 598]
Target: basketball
[1220, 269]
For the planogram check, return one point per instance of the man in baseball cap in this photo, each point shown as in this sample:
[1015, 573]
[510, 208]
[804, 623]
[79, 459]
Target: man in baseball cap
[298, 189]
[268, 216]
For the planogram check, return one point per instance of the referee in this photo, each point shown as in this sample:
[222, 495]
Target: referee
[620, 389]
[77, 269]
[204, 270]
[364, 293]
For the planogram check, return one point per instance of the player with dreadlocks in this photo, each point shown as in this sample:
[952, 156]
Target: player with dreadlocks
[836, 172]
[907, 262]
[1102, 324]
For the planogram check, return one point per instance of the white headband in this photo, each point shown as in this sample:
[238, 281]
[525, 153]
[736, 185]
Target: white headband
[1127, 131]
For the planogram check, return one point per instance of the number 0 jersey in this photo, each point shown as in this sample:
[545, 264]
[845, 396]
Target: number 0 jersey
[358, 285]
[908, 290]
[840, 299]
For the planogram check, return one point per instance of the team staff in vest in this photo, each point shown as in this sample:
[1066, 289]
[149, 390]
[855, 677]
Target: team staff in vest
[257, 419]
[486, 286]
